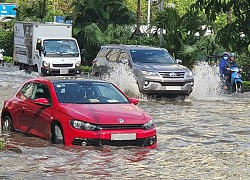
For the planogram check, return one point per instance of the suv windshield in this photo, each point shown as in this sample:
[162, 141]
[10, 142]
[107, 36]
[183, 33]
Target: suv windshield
[151, 56]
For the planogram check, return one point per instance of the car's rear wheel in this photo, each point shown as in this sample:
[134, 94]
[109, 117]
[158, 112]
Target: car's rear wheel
[57, 134]
[7, 124]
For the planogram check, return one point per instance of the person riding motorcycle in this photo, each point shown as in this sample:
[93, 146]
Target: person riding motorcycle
[222, 64]
[230, 64]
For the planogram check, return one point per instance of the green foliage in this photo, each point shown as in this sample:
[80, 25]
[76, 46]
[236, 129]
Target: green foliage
[8, 59]
[244, 61]
[246, 85]
[86, 68]
[7, 41]
[2, 143]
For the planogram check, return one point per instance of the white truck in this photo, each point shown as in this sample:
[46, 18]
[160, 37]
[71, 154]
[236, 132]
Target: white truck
[47, 48]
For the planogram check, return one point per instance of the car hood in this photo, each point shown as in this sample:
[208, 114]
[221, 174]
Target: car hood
[160, 67]
[106, 113]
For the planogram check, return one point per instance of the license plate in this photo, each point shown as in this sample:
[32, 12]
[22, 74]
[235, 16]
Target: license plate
[173, 87]
[131, 136]
[63, 71]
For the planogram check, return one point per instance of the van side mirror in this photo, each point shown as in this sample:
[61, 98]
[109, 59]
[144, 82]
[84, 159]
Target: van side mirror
[178, 61]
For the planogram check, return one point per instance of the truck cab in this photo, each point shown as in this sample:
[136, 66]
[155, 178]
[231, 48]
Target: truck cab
[57, 56]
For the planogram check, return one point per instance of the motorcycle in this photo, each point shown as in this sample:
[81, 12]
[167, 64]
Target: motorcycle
[1, 57]
[235, 84]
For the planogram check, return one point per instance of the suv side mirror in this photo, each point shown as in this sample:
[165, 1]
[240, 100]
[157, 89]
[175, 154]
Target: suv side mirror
[178, 61]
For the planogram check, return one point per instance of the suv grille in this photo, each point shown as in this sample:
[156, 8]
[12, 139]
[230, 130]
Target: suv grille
[172, 74]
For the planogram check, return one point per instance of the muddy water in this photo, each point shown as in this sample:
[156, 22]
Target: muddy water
[207, 136]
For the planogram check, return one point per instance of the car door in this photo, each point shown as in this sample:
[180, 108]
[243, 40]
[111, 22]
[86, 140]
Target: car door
[22, 112]
[40, 115]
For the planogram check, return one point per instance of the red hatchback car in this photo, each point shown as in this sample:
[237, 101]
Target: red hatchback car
[77, 111]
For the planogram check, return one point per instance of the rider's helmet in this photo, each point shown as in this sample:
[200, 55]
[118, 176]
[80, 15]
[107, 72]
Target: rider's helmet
[232, 56]
[226, 55]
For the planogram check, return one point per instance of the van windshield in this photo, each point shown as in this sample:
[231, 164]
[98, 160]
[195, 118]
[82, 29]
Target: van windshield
[60, 47]
[151, 56]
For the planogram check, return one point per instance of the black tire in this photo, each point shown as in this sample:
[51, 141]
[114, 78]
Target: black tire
[239, 87]
[7, 125]
[57, 134]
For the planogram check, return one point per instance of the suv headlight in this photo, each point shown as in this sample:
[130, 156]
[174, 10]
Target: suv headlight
[149, 73]
[149, 125]
[83, 125]
[189, 74]
[45, 64]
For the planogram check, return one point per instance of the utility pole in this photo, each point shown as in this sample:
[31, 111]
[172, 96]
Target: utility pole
[161, 29]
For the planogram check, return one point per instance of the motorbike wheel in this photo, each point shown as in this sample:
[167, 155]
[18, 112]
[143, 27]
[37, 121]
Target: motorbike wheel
[239, 87]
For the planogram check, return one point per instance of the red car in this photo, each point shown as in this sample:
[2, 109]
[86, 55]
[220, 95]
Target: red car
[77, 111]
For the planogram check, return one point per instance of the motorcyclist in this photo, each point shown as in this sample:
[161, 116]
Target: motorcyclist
[1, 57]
[229, 65]
[222, 64]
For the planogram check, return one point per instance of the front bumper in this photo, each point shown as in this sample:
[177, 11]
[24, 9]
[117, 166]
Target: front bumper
[144, 138]
[60, 71]
[166, 86]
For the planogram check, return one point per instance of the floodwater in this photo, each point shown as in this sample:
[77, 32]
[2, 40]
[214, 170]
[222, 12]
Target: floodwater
[206, 136]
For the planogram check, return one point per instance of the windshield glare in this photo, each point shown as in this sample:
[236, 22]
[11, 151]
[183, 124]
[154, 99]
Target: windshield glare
[151, 56]
[88, 93]
[60, 47]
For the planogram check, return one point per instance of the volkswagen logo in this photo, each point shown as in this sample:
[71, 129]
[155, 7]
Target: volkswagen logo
[120, 120]
[173, 74]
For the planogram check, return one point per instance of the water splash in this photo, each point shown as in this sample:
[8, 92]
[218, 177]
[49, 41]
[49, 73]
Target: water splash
[123, 77]
[207, 83]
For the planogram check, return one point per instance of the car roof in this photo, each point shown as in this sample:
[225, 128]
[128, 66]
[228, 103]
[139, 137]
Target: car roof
[55, 79]
[134, 47]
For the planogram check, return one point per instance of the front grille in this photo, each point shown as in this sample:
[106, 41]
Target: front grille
[99, 142]
[63, 65]
[172, 74]
[122, 126]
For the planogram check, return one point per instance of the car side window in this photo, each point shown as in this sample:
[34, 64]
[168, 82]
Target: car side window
[28, 89]
[42, 91]
[123, 56]
[103, 52]
[113, 55]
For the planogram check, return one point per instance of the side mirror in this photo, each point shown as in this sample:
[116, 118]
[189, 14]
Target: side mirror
[135, 101]
[178, 61]
[42, 101]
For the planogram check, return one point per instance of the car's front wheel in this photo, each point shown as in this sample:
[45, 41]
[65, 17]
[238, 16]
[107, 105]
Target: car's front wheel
[7, 124]
[57, 134]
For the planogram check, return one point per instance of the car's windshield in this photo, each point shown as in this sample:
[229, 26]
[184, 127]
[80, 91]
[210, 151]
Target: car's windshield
[151, 56]
[60, 47]
[82, 92]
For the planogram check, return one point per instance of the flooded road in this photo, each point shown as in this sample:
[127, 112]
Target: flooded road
[206, 136]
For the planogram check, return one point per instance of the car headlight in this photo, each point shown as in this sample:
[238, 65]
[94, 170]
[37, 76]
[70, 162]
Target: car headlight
[78, 63]
[149, 73]
[149, 125]
[45, 64]
[189, 74]
[83, 125]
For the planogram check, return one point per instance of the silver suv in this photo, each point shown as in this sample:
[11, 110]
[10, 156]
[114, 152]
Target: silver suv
[156, 71]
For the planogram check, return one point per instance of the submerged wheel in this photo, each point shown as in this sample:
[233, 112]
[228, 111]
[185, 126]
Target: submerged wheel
[239, 87]
[7, 124]
[57, 134]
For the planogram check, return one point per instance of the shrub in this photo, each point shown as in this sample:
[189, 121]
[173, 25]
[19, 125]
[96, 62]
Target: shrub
[246, 85]
[86, 68]
[8, 59]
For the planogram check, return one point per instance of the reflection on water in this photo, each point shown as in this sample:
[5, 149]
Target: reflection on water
[201, 137]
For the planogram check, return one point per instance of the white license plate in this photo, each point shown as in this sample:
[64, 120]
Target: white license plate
[64, 71]
[131, 136]
[173, 87]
